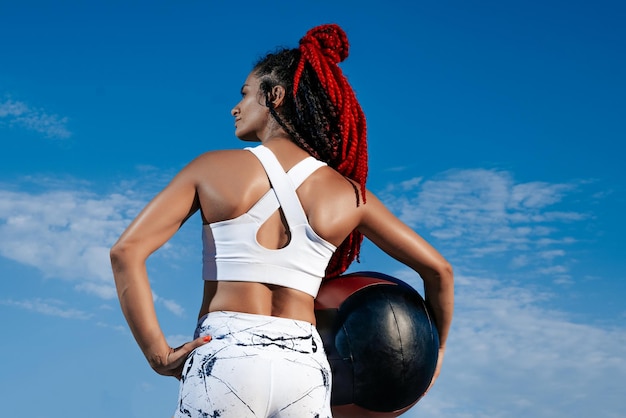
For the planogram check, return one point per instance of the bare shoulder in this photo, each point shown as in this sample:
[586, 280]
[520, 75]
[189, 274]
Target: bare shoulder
[327, 182]
[221, 164]
[228, 182]
[332, 203]
[222, 157]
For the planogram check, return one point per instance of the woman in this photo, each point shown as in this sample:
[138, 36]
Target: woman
[277, 218]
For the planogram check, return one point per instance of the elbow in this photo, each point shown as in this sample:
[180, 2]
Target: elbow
[447, 271]
[119, 254]
[440, 274]
[127, 256]
[122, 264]
[116, 253]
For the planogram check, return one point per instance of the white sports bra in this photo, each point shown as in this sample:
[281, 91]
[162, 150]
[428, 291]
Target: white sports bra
[231, 251]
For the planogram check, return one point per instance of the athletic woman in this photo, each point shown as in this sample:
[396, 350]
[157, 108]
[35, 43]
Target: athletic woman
[277, 219]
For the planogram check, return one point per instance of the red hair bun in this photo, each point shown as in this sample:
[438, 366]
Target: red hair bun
[330, 39]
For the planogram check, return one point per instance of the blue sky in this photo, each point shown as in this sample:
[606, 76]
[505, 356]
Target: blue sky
[496, 130]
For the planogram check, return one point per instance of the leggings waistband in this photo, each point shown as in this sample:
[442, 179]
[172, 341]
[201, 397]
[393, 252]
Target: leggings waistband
[260, 330]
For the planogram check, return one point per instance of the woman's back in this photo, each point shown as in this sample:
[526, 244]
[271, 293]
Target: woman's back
[229, 183]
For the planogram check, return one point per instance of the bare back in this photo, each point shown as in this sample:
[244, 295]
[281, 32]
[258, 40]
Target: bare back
[229, 183]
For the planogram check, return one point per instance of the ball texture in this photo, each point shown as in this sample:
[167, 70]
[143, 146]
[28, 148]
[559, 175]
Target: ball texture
[381, 342]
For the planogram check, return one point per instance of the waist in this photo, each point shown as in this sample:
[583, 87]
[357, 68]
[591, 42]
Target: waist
[259, 299]
[270, 274]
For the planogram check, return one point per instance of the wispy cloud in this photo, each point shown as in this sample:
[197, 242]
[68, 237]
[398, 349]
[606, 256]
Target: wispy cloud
[485, 213]
[50, 307]
[480, 205]
[64, 234]
[169, 304]
[178, 339]
[117, 328]
[510, 353]
[16, 113]
[507, 341]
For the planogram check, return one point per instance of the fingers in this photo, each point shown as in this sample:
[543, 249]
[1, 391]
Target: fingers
[176, 357]
[183, 351]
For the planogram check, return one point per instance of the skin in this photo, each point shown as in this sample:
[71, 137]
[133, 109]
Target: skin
[225, 184]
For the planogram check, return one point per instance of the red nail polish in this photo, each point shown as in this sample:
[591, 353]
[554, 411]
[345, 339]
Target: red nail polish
[207, 338]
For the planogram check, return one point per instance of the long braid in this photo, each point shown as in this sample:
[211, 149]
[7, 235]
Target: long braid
[322, 114]
[323, 48]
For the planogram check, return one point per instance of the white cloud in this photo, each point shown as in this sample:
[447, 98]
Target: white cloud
[169, 304]
[11, 108]
[510, 355]
[122, 329]
[537, 194]
[67, 234]
[480, 204]
[178, 339]
[64, 234]
[50, 307]
[484, 213]
[20, 114]
[102, 290]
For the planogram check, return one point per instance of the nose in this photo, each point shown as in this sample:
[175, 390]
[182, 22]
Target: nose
[234, 111]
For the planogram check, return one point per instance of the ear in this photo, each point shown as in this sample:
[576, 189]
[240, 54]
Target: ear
[278, 96]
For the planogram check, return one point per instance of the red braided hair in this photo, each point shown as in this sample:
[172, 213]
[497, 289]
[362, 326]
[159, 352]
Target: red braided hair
[323, 47]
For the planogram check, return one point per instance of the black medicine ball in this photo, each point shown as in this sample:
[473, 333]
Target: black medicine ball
[381, 342]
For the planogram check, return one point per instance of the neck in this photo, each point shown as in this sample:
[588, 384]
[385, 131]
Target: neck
[276, 139]
[283, 146]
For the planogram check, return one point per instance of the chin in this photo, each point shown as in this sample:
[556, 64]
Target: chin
[248, 138]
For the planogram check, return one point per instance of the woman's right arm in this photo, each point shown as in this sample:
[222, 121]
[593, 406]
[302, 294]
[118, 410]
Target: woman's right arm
[156, 223]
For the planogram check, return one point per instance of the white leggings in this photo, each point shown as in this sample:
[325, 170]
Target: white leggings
[255, 366]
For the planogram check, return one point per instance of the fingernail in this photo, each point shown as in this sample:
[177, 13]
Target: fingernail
[207, 338]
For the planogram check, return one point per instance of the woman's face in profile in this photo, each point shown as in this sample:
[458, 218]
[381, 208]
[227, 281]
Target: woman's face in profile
[251, 114]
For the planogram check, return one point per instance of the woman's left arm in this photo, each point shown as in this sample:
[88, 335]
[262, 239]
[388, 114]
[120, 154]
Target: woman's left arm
[156, 224]
[400, 241]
